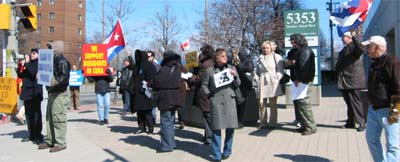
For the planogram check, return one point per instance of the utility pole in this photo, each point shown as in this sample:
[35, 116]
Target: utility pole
[330, 6]
[206, 20]
[102, 20]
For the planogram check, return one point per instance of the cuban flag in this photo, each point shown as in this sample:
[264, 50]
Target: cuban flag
[115, 41]
[350, 15]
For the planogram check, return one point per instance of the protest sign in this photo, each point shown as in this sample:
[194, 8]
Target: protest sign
[191, 60]
[45, 67]
[8, 95]
[75, 78]
[94, 59]
[223, 78]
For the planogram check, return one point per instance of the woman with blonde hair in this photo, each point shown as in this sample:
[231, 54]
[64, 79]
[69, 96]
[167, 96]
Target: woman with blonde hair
[269, 70]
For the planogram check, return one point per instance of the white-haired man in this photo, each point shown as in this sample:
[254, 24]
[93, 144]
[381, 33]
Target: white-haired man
[383, 84]
[351, 80]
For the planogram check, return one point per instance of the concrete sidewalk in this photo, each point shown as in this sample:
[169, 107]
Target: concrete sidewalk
[90, 142]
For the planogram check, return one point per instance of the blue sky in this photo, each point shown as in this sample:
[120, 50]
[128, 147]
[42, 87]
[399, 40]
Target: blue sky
[188, 14]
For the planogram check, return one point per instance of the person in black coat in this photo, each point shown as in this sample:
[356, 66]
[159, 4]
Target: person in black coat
[32, 95]
[167, 84]
[126, 84]
[143, 73]
[244, 64]
[302, 71]
[351, 80]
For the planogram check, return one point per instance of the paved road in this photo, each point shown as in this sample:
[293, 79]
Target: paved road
[90, 142]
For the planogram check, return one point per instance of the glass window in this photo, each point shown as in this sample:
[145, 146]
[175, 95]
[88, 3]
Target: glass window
[39, 16]
[80, 17]
[39, 29]
[51, 29]
[80, 4]
[51, 2]
[39, 2]
[51, 15]
[79, 31]
[38, 44]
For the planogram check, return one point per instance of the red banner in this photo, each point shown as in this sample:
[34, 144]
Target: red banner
[94, 59]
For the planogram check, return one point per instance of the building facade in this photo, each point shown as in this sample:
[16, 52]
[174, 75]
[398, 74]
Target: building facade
[384, 20]
[57, 20]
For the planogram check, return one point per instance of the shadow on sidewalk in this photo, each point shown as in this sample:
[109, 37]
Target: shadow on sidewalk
[265, 131]
[116, 157]
[181, 133]
[302, 158]
[122, 129]
[93, 121]
[149, 141]
[18, 134]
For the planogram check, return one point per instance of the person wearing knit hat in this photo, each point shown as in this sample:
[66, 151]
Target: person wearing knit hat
[383, 87]
[351, 80]
[56, 115]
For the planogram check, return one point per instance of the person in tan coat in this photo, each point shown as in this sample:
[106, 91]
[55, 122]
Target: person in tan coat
[269, 70]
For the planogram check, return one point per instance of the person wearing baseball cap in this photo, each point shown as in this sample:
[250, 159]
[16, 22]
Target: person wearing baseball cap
[32, 95]
[351, 80]
[383, 84]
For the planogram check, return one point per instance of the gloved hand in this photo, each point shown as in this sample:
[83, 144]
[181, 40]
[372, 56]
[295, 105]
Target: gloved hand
[394, 109]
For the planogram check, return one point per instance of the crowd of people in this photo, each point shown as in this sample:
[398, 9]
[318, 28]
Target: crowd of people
[219, 84]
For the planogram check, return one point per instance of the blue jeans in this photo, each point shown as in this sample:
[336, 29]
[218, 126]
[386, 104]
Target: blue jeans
[127, 100]
[103, 105]
[376, 121]
[216, 143]
[167, 132]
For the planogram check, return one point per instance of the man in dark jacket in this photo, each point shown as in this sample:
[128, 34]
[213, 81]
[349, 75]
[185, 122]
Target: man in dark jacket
[126, 85]
[302, 71]
[383, 86]
[167, 83]
[32, 95]
[56, 116]
[102, 90]
[351, 80]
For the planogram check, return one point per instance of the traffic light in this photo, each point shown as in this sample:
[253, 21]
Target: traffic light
[30, 17]
[5, 13]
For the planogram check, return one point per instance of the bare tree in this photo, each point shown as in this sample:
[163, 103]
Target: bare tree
[246, 23]
[165, 27]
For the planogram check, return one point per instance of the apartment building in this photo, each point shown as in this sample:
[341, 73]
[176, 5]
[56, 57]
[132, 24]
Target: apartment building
[57, 20]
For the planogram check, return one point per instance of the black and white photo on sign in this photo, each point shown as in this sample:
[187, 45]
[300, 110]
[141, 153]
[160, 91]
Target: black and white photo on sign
[223, 78]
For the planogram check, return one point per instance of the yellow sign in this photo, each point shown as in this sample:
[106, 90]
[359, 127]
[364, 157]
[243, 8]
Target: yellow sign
[191, 60]
[5, 14]
[8, 95]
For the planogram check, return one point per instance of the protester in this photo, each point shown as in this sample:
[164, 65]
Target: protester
[126, 84]
[102, 89]
[75, 91]
[200, 100]
[383, 95]
[243, 63]
[151, 58]
[167, 85]
[351, 80]
[222, 103]
[269, 71]
[32, 95]
[56, 116]
[302, 72]
[143, 105]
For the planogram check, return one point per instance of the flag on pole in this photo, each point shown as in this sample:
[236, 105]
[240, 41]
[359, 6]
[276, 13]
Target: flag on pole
[350, 15]
[115, 41]
[185, 45]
